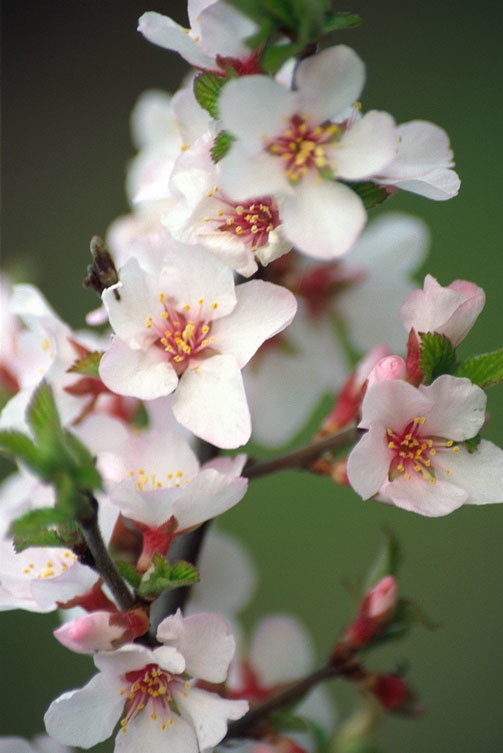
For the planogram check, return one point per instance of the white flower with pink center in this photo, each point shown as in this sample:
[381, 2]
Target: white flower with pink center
[424, 162]
[411, 454]
[152, 692]
[296, 144]
[216, 36]
[189, 329]
[451, 311]
[238, 233]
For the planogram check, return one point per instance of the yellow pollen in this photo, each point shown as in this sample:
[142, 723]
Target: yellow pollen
[170, 475]
[163, 726]
[187, 684]
[170, 721]
[153, 716]
[214, 305]
[212, 340]
[389, 431]
[184, 147]
[205, 329]
[455, 449]
[254, 248]
[178, 359]
[433, 452]
[204, 343]
[432, 480]
[427, 463]
[123, 722]
[184, 694]
[206, 219]
[448, 471]
[201, 301]
[32, 565]
[220, 213]
[215, 188]
[240, 210]
[450, 443]
[417, 467]
[46, 344]
[239, 230]
[197, 38]
[400, 467]
[229, 221]
[209, 194]
[391, 445]
[164, 315]
[123, 692]
[406, 475]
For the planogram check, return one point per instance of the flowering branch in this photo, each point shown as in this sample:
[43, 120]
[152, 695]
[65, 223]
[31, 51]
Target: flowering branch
[103, 563]
[304, 456]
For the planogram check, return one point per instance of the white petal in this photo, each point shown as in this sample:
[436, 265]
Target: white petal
[227, 576]
[209, 494]
[419, 495]
[330, 82]
[15, 745]
[366, 147]
[263, 309]
[440, 184]
[247, 177]
[74, 581]
[369, 461]
[206, 644]
[170, 659]
[87, 716]
[224, 29]
[143, 374]
[394, 404]
[152, 507]
[255, 109]
[209, 714]
[125, 659]
[322, 219]
[139, 299]
[458, 410]
[145, 735]
[424, 147]
[280, 651]
[479, 473]
[211, 402]
[164, 32]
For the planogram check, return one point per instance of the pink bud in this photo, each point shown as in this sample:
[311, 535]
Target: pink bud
[92, 632]
[391, 367]
[374, 613]
[382, 598]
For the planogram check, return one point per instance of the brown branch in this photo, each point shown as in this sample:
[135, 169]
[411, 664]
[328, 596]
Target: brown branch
[303, 457]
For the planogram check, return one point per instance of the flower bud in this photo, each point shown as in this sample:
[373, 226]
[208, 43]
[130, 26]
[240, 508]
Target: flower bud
[390, 367]
[374, 614]
[101, 631]
[393, 694]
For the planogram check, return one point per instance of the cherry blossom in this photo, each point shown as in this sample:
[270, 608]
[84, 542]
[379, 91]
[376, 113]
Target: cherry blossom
[40, 744]
[294, 144]
[189, 329]
[240, 234]
[216, 36]
[451, 311]
[424, 162]
[152, 691]
[412, 454]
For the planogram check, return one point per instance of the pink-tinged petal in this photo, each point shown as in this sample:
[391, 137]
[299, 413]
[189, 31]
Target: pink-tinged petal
[440, 184]
[230, 466]
[208, 713]
[15, 745]
[191, 274]
[152, 507]
[224, 29]
[170, 659]
[164, 32]
[206, 644]
[138, 299]
[419, 495]
[394, 404]
[462, 320]
[74, 581]
[366, 147]
[479, 473]
[89, 633]
[263, 309]
[280, 651]
[369, 461]
[330, 82]
[192, 121]
[137, 373]
[424, 147]
[227, 576]
[125, 659]
[458, 410]
[209, 494]
[146, 735]
[255, 109]
[322, 219]
[211, 402]
[245, 177]
[86, 716]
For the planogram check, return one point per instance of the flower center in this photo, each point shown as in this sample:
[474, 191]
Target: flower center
[59, 562]
[414, 453]
[302, 146]
[251, 222]
[150, 481]
[150, 687]
[180, 336]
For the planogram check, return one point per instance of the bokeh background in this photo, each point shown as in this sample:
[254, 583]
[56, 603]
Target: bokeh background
[72, 71]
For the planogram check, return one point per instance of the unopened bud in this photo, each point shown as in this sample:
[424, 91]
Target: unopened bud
[375, 612]
[393, 694]
[391, 367]
[102, 631]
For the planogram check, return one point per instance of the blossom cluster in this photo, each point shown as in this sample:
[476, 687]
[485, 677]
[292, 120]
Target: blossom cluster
[243, 287]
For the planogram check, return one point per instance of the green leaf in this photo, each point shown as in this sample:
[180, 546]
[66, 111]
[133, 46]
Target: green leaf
[275, 55]
[387, 562]
[45, 537]
[411, 613]
[472, 444]
[483, 370]
[69, 499]
[35, 521]
[42, 414]
[207, 88]
[342, 20]
[161, 576]
[129, 572]
[437, 356]
[284, 722]
[88, 365]
[371, 194]
[22, 448]
[221, 145]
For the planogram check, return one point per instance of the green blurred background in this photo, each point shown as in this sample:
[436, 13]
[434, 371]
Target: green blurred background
[72, 71]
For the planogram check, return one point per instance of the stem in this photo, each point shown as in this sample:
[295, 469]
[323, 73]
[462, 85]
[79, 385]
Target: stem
[242, 727]
[103, 563]
[303, 457]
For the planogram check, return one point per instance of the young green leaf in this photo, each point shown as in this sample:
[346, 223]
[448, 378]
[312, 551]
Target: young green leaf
[161, 576]
[21, 447]
[34, 521]
[128, 572]
[46, 537]
[483, 370]
[221, 145]
[341, 20]
[88, 365]
[437, 356]
[370, 193]
[207, 88]
[387, 562]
